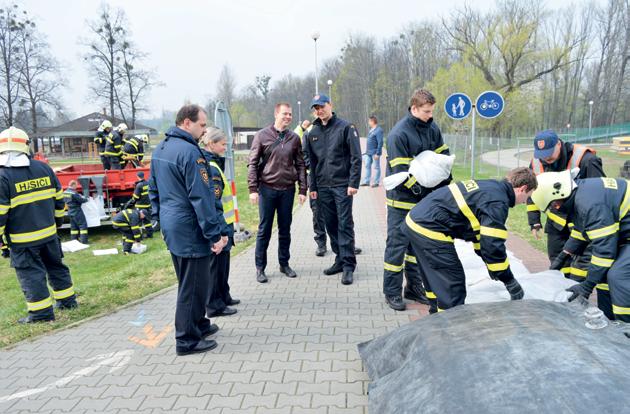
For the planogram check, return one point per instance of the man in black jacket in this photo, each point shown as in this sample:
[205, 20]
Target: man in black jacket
[335, 162]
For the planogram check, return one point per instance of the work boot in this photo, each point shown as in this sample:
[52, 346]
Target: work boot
[31, 319]
[347, 277]
[395, 302]
[61, 306]
[416, 294]
[214, 328]
[334, 269]
[204, 345]
[261, 277]
[288, 272]
[223, 312]
[321, 251]
[233, 302]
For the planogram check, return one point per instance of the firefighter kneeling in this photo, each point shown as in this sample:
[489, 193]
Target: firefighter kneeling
[129, 223]
[31, 207]
[474, 211]
[598, 208]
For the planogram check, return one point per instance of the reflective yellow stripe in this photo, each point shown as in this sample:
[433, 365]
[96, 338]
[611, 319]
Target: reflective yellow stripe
[129, 240]
[430, 295]
[577, 235]
[410, 181]
[492, 232]
[441, 149]
[399, 161]
[62, 294]
[399, 204]
[4, 209]
[566, 270]
[477, 246]
[601, 261]
[392, 268]
[497, 267]
[620, 310]
[60, 213]
[435, 235]
[74, 231]
[227, 200]
[137, 197]
[117, 224]
[33, 235]
[571, 225]
[411, 259]
[32, 197]
[59, 195]
[42, 304]
[578, 272]
[461, 202]
[603, 232]
[83, 231]
[602, 286]
[135, 227]
[532, 207]
[556, 218]
[440, 309]
[625, 204]
[2, 230]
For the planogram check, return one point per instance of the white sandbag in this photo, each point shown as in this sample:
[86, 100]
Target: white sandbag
[138, 248]
[73, 246]
[104, 252]
[92, 212]
[392, 181]
[431, 168]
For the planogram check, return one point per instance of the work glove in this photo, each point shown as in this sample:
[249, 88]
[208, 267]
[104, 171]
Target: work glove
[155, 224]
[515, 290]
[583, 289]
[561, 261]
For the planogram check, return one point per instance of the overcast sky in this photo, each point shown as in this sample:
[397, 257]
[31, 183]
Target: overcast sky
[189, 41]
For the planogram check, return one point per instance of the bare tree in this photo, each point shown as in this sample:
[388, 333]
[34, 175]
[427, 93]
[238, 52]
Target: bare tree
[12, 23]
[226, 86]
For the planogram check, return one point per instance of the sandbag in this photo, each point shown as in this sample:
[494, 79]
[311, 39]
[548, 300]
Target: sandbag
[92, 210]
[428, 167]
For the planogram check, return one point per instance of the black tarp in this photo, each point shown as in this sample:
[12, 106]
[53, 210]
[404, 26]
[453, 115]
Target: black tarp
[507, 357]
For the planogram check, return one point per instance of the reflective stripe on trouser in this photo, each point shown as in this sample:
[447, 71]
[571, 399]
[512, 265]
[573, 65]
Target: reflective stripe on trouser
[438, 260]
[396, 247]
[336, 207]
[619, 284]
[127, 238]
[32, 264]
[78, 227]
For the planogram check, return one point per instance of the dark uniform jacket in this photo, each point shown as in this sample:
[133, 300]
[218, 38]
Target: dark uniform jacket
[31, 204]
[599, 211]
[409, 137]
[285, 164]
[334, 154]
[129, 220]
[73, 201]
[181, 196]
[133, 146]
[217, 190]
[474, 211]
[113, 144]
[590, 166]
[101, 140]
[141, 195]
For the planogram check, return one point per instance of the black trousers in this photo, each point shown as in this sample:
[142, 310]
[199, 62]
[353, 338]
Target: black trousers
[336, 207]
[79, 227]
[114, 162]
[37, 265]
[619, 284]
[147, 227]
[105, 162]
[579, 265]
[399, 256]
[319, 224]
[127, 238]
[440, 264]
[270, 202]
[194, 284]
[219, 296]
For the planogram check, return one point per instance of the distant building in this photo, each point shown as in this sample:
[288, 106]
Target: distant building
[243, 137]
[76, 138]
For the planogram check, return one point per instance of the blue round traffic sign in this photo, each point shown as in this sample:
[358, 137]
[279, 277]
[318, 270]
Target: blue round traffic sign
[458, 105]
[490, 104]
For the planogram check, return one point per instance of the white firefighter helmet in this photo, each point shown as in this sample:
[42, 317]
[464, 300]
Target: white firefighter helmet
[122, 127]
[14, 139]
[553, 186]
[104, 125]
[144, 138]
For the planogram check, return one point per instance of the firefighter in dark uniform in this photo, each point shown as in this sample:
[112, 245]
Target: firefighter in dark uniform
[183, 202]
[220, 300]
[78, 222]
[113, 147]
[102, 134]
[31, 208]
[140, 200]
[129, 222]
[598, 208]
[475, 211]
[133, 150]
[334, 154]
[415, 133]
[552, 154]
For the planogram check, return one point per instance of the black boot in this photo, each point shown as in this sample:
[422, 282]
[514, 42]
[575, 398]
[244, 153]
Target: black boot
[395, 302]
[417, 294]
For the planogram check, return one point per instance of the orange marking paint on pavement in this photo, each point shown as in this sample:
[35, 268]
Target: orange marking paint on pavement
[152, 339]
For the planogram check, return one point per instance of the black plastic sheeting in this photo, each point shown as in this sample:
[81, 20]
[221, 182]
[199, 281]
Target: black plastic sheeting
[520, 357]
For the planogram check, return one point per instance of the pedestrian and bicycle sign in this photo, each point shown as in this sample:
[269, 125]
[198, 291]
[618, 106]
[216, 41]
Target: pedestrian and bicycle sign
[489, 104]
[458, 105]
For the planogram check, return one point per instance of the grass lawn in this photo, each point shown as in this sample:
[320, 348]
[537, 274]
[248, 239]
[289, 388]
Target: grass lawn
[104, 283]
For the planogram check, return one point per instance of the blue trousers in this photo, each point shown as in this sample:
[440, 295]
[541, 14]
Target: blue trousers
[368, 161]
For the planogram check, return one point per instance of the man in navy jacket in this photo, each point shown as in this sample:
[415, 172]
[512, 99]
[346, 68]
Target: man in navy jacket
[182, 200]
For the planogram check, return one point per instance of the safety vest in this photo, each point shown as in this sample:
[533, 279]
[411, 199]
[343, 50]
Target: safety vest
[574, 161]
[227, 199]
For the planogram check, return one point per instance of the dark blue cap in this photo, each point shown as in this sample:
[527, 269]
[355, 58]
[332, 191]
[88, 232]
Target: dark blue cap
[140, 174]
[320, 100]
[545, 143]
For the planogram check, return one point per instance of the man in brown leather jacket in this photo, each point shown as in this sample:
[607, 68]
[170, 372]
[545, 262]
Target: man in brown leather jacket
[276, 163]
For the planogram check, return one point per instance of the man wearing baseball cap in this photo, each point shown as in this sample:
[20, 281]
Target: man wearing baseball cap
[553, 154]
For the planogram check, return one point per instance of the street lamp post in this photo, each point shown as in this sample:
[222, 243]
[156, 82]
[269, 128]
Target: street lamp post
[590, 119]
[329, 88]
[300, 112]
[315, 36]
[568, 132]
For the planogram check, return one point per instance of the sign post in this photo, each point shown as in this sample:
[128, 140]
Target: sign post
[489, 104]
